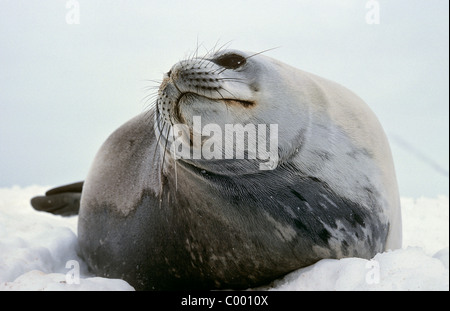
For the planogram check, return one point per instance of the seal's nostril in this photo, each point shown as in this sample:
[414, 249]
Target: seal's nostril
[169, 73]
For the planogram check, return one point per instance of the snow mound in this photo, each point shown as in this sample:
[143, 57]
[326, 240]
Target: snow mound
[36, 280]
[402, 270]
[38, 252]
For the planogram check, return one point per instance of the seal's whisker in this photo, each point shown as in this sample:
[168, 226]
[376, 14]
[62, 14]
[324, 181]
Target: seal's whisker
[165, 145]
[232, 80]
[149, 97]
[175, 161]
[220, 94]
[157, 82]
[201, 61]
[149, 116]
[157, 145]
[149, 103]
[157, 112]
[196, 50]
[277, 47]
[223, 47]
[150, 87]
[164, 124]
[228, 109]
[222, 70]
[213, 49]
[162, 164]
[234, 96]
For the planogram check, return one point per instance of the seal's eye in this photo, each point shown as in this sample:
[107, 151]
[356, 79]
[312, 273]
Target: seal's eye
[230, 61]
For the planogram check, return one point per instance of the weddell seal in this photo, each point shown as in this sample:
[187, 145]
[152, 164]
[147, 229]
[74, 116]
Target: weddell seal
[165, 218]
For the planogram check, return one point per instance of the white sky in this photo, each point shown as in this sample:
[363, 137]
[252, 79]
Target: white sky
[64, 88]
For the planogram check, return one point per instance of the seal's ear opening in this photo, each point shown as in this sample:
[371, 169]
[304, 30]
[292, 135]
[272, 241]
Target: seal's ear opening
[64, 200]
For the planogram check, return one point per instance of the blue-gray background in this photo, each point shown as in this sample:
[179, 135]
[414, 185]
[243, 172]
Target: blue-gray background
[65, 87]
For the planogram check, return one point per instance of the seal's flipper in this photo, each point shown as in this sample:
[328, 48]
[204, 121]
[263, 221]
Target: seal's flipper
[64, 200]
[74, 188]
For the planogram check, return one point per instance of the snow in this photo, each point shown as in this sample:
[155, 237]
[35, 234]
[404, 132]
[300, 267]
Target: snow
[38, 252]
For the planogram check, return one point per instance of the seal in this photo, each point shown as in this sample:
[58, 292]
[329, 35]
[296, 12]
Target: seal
[165, 221]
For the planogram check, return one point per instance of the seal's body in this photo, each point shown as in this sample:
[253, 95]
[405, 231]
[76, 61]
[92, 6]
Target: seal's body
[163, 222]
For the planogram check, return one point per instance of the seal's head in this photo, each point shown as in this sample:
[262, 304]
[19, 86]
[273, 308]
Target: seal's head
[231, 88]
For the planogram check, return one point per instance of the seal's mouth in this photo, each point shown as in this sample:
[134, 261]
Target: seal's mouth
[190, 97]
